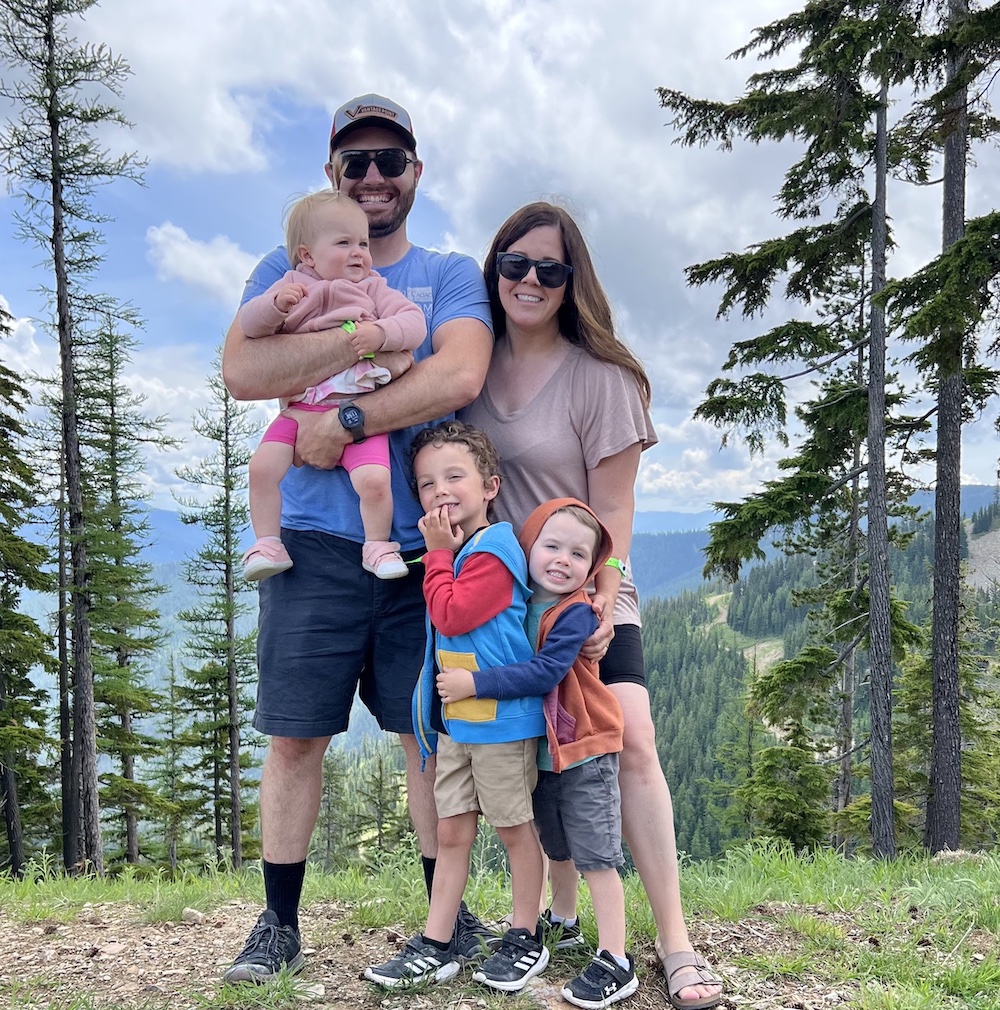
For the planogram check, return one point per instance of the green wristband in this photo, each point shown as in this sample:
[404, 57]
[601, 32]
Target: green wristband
[616, 563]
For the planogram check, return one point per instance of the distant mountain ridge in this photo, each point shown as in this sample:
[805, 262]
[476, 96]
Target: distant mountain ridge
[170, 540]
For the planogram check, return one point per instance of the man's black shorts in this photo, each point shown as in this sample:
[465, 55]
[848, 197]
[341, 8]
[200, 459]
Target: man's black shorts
[328, 628]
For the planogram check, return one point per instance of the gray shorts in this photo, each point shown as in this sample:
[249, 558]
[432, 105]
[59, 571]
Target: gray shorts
[578, 814]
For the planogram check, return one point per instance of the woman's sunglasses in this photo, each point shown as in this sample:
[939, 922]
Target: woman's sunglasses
[550, 273]
[391, 163]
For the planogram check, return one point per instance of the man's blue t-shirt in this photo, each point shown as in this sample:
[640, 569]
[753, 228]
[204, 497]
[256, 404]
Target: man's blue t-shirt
[446, 286]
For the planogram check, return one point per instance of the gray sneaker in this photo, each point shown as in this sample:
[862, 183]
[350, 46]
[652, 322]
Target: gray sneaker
[472, 939]
[269, 948]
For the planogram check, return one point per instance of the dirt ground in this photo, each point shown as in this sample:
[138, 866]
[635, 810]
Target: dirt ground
[111, 956]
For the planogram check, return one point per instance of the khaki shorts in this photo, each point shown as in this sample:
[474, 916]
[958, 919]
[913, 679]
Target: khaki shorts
[494, 779]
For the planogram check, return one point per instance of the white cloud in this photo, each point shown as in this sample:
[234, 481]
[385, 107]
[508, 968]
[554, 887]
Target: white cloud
[512, 101]
[217, 267]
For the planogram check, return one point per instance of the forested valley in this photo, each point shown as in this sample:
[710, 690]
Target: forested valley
[704, 645]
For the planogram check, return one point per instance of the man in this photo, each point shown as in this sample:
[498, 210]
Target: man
[326, 626]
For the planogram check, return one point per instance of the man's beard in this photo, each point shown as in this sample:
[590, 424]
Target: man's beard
[379, 226]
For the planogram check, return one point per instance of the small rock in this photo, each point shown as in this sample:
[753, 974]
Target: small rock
[193, 915]
[310, 991]
[113, 949]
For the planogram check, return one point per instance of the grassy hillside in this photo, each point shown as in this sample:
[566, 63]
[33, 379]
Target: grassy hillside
[785, 931]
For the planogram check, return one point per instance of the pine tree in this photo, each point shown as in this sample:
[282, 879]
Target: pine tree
[179, 794]
[335, 833]
[23, 644]
[849, 55]
[50, 152]
[223, 658]
[823, 100]
[116, 436]
[381, 820]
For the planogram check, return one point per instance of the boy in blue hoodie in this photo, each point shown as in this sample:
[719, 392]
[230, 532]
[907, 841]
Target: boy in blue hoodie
[476, 590]
[577, 802]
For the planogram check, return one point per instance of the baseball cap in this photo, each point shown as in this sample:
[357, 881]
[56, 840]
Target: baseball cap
[371, 110]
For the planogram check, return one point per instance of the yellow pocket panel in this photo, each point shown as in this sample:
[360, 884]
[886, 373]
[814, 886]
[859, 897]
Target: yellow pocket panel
[468, 709]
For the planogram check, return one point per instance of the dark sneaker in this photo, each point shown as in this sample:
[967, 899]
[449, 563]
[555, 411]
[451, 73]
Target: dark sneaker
[420, 962]
[269, 948]
[602, 983]
[558, 935]
[519, 958]
[472, 940]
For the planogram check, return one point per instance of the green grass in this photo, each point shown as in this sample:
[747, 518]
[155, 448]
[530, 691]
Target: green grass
[907, 935]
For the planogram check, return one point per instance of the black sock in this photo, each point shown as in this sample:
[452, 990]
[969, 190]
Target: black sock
[437, 944]
[429, 865]
[283, 889]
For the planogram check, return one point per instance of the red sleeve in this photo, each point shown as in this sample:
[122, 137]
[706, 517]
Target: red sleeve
[484, 589]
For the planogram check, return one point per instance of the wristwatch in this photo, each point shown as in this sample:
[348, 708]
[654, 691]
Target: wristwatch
[352, 417]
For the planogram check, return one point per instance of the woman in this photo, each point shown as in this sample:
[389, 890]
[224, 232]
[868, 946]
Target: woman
[566, 404]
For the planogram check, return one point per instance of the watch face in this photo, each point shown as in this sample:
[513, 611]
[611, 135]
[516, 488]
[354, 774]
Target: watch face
[351, 417]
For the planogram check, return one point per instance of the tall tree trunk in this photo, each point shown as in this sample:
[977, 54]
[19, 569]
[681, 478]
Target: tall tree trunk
[9, 800]
[68, 772]
[880, 629]
[217, 799]
[85, 734]
[943, 826]
[128, 774]
[848, 672]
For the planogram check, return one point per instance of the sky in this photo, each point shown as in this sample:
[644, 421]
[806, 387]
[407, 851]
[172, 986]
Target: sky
[511, 101]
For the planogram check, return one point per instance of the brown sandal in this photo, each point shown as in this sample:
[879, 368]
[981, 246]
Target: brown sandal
[684, 968]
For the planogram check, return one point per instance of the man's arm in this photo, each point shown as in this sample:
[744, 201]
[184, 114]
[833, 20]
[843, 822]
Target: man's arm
[443, 382]
[284, 364]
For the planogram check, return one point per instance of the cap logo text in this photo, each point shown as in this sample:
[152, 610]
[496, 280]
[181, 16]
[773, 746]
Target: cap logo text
[378, 110]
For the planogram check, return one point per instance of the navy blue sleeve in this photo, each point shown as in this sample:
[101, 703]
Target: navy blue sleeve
[541, 673]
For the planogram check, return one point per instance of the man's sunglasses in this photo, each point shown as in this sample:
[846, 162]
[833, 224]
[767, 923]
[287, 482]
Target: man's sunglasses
[391, 163]
[550, 273]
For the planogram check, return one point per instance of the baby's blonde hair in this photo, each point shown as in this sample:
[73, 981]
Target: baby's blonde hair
[303, 222]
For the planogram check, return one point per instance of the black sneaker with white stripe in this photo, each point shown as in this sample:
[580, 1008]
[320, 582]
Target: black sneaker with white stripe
[419, 962]
[519, 958]
[603, 982]
[560, 935]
